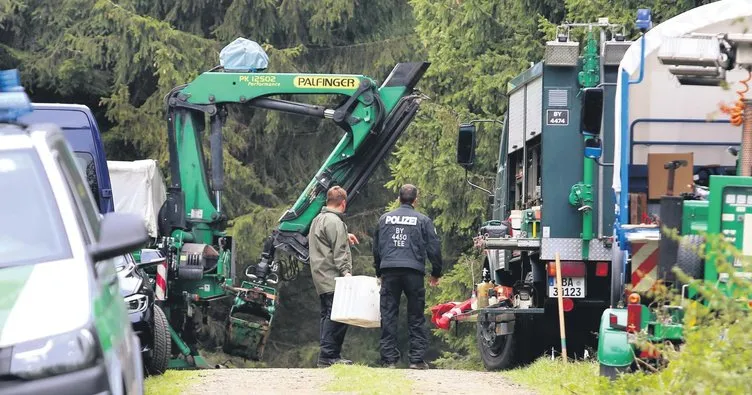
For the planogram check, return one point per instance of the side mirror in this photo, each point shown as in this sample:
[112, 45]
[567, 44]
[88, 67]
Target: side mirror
[591, 112]
[119, 233]
[466, 146]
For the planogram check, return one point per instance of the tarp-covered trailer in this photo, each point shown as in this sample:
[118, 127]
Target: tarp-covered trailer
[667, 113]
[138, 188]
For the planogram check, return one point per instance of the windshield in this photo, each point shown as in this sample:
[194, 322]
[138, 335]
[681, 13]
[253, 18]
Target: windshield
[32, 228]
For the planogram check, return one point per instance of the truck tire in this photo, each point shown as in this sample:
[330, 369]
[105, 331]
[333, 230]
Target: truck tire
[687, 258]
[157, 363]
[496, 352]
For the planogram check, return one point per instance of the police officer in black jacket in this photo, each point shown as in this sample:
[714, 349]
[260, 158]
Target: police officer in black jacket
[401, 244]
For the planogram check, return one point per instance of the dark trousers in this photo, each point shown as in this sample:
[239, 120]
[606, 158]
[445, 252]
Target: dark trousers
[393, 284]
[332, 333]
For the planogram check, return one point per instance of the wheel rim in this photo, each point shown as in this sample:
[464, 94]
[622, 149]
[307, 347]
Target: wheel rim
[491, 341]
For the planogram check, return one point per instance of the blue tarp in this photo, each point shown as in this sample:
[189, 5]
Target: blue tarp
[243, 55]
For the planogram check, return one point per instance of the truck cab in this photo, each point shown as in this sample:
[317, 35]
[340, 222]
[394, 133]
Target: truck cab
[82, 133]
[551, 204]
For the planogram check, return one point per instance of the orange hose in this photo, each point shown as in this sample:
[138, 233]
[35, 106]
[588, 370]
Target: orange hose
[735, 111]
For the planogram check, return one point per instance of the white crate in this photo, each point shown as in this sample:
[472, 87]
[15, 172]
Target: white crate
[357, 301]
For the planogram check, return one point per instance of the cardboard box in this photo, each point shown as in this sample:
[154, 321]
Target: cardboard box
[658, 176]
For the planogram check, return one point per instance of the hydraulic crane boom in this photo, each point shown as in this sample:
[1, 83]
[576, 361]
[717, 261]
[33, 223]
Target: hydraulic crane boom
[372, 130]
[200, 254]
[373, 118]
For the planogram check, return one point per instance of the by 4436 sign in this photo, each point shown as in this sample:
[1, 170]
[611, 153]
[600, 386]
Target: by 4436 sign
[557, 117]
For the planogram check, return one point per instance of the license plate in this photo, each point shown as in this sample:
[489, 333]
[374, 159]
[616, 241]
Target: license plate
[572, 287]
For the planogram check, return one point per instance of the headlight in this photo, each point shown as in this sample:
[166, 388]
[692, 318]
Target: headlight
[58, 354]
[136, 303]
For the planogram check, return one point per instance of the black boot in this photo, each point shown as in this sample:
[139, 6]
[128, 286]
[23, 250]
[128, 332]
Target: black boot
[422, 365]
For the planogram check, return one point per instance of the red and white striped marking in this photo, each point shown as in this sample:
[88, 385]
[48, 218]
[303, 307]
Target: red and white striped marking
[644, 264]
[161, 289]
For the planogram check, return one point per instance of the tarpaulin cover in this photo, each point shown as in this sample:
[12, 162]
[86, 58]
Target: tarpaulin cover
[243, 55]
[442, 314]
[438, 311]
[138, 188]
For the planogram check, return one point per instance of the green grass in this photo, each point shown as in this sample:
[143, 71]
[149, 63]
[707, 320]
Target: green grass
[171, 382]
[364, 380]
[547, 376]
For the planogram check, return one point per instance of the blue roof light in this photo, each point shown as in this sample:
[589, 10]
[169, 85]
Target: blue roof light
[644, 20]
[10, 80]
[13, 99]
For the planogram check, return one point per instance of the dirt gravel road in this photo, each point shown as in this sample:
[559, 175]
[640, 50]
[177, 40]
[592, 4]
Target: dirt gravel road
[462, 382]
[314, 381]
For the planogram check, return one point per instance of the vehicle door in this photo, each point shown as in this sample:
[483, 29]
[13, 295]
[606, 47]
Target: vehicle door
[110, 314]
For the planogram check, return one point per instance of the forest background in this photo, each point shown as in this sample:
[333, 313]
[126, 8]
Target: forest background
[120, 58]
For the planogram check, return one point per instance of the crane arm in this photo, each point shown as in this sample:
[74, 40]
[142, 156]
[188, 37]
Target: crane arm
[372, 118]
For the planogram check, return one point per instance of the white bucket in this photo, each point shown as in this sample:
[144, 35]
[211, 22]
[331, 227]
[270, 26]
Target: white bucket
[357, 301]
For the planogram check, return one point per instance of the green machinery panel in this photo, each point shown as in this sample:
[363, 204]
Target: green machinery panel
[562, 153]
[694, 217]
[731, 215]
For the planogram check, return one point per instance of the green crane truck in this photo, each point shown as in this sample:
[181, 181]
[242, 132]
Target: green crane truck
[200, 268]
[686, 164]
[551, 197]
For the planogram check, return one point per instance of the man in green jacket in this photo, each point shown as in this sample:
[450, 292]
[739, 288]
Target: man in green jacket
[330, 257]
